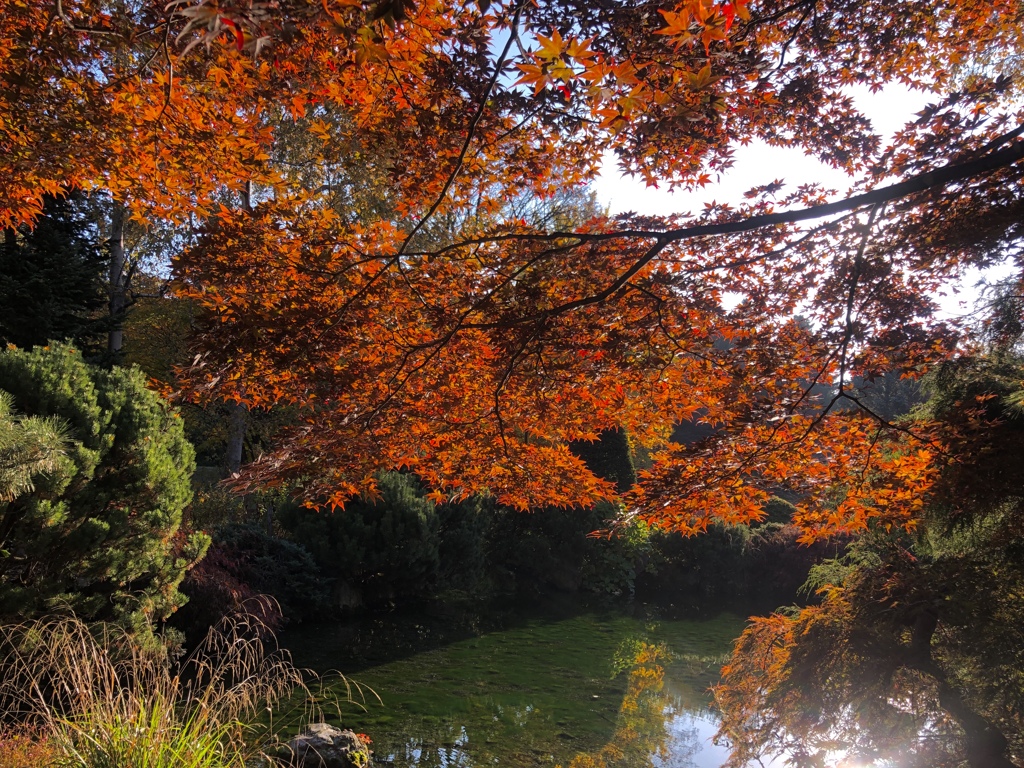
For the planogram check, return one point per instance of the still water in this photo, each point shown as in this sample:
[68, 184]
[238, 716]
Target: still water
[571, 687]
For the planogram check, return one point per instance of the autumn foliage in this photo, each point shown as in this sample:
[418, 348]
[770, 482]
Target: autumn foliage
[346, 173]
[375, 279]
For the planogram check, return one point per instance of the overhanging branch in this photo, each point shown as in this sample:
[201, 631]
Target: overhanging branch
[988, 163]
[993, 161]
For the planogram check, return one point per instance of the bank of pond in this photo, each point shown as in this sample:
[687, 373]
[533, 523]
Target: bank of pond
[401, 549]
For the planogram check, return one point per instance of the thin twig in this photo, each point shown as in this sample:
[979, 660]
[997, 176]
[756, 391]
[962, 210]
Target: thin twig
[470, 134]
[858, 265]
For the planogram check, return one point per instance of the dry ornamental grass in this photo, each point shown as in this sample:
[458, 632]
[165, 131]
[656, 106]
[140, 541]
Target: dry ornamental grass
[101, 701]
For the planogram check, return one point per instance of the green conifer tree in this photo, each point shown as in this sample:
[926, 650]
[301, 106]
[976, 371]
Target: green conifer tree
[93, 525]
[51, 278]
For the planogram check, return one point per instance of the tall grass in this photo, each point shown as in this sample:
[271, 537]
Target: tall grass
[107, 703]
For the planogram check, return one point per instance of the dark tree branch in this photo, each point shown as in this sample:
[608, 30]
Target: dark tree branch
[858, 265]
[922, 182]
[470, 134]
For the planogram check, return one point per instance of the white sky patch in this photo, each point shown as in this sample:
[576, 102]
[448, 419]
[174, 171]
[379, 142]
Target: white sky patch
[757, 163]
[962, 299]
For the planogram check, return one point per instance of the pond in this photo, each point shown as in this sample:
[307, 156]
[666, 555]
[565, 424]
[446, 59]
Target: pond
[555, 686]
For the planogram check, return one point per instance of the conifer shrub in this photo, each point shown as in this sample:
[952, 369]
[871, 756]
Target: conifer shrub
[247, 570]
[97, 531]
[699, 570]
[462, 546]
[609, 457]
[388, 547]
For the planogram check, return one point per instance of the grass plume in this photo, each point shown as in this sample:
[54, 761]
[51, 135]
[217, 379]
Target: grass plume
[106, 702]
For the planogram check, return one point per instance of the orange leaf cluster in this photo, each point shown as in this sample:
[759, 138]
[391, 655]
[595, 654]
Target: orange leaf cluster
[420, 325]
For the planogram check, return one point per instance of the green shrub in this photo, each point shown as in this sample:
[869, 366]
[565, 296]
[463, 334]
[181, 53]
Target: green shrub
[778, 510]
[609, 457]
[698, 569]
[387, 548]
[613, 563]
[553, 550]
[777, 564]
[462, 545]
[97, 531]
[260, 564]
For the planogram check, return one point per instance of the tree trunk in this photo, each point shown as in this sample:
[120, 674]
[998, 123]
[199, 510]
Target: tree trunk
[985, 744]
[237, 425]
[239, 422]
[117, 280]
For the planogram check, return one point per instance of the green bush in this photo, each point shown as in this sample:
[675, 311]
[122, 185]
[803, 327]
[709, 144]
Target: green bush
[778, 510]
[274, 566]
[387, 548]
[462, 545]
[613, 563]
[541, 551]
[552, 549]
[609, 457]
[697, 569]
[97, 531]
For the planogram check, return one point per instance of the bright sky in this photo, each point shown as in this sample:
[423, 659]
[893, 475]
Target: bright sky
[758, 164]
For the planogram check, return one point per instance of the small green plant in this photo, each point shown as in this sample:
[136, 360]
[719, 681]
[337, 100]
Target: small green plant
[106, 702]
[154, 737]
[360, 757]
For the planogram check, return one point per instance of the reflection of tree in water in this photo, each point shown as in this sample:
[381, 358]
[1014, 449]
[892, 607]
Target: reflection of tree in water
[542, 707]
[682, 742]
[445, 743]
[435, 753]
[650, 731]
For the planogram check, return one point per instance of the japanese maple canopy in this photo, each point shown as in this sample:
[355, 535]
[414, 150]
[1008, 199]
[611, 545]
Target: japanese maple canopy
[382, 283]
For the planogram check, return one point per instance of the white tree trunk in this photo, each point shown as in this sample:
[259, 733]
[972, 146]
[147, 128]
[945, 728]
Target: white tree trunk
[239, 422]
[117, 279]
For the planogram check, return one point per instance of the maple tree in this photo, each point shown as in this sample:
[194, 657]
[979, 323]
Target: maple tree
[912, 654]
[474, 352]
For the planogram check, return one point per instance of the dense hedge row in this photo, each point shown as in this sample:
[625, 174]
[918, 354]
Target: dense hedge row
[402, 548]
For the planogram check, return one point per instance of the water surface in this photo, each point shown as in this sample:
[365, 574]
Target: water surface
[575, 687]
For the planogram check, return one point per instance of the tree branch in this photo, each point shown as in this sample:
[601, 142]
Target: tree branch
[922, 182]
[471, 133]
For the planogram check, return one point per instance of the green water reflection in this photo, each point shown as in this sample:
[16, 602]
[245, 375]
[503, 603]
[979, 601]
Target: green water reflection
[579, 688]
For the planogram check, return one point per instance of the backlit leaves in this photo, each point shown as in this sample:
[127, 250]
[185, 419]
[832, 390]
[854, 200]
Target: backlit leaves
[381, 285]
